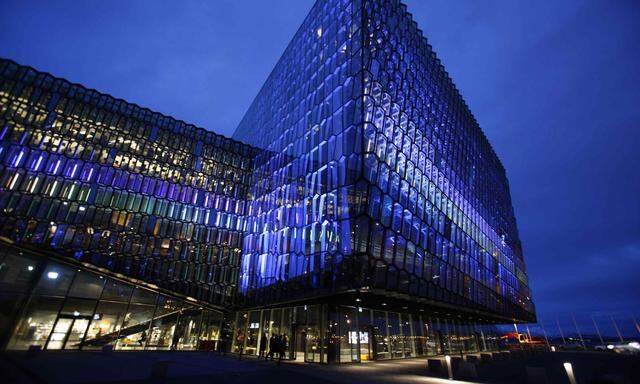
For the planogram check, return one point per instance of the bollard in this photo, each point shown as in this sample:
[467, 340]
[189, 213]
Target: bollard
[569, 369]
[447, 358]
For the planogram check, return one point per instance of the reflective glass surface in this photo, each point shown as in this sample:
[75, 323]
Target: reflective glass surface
[373, 173]
[118, 186]
[358, 166]
[87, 313]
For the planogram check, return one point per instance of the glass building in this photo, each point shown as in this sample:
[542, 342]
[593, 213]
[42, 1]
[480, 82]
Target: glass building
[99, 182]
[380, 220]
[359, 210]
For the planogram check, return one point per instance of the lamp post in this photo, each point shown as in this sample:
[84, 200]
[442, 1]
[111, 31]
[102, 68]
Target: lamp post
[545, 334]
[615, 325]
[578, 330]
[560, 329]
[597, 330]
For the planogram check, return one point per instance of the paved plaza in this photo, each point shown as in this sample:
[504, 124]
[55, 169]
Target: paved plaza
[201, 367]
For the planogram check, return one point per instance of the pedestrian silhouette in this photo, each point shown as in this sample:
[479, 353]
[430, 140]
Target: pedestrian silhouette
[263, 345]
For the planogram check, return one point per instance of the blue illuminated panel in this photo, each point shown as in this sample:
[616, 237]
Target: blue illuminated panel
[441, 221]
[363, 169]
[121, 187]
[423, 208]
[306, 119]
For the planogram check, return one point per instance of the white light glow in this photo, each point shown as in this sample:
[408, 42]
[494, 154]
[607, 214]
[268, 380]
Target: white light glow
[52, 275]
[569, 369]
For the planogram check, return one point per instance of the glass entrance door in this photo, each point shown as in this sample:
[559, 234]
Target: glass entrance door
[299, 343]
[59, 334]
[312, 345]
[68, 333]
[76, 334]
[365, 345]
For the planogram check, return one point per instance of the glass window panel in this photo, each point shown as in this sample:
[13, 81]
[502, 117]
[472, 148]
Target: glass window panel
[134, 333]
[105, 324]
[211, 326]
[78, 307]
[143, 296]
[36, 325]
[349, 351]
[188, 329]
[16, 272]
[86, 285]
[55, 280]
[115, 290]
[164, 323]
[395, 337]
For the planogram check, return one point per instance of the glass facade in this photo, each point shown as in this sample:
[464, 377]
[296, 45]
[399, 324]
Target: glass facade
[55, 305]
[439, 217]
[326, 333]
[373, 173]
[304, 194]
[358, 177]
[118, 186]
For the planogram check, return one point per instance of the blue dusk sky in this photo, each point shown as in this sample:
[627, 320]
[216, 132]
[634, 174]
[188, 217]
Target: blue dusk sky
[554, 84]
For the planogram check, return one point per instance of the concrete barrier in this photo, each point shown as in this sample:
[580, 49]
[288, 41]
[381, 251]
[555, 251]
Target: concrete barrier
[475, 359]
[466, 370]
[456, 361]
[536, 375]
[486, 357]
[496, 356]
[437, 366]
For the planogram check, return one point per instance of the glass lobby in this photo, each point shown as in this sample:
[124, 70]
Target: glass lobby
[52, 306]
[324, 333]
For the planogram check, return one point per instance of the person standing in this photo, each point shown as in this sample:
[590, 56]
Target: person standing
[263, 345]
[272, 347]
[281, 347]
[222, 346]
[240, 345]
[143, 338]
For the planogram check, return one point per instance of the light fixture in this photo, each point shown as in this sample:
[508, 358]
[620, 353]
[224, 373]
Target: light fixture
[52, 275]
[30, 268]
